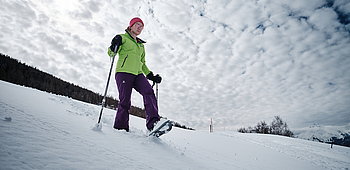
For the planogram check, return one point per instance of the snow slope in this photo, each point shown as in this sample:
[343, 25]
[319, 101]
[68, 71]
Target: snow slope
[47, 131]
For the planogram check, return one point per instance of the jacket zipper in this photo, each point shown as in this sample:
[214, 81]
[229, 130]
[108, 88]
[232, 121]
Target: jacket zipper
[124, 61]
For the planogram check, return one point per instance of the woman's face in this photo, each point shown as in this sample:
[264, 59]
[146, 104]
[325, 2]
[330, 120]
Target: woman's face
[137, 28]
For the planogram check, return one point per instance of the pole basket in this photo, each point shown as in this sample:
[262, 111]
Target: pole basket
[97, 127]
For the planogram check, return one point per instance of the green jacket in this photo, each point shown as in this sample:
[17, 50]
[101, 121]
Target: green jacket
[131, 55]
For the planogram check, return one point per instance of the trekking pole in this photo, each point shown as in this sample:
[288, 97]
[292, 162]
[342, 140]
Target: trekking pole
[99, 125]
[157, 91]
[154, 83]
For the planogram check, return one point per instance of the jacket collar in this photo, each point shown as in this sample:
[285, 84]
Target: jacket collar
[138, 39]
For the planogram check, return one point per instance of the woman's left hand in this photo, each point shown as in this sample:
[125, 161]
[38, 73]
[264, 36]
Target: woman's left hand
[154, 78]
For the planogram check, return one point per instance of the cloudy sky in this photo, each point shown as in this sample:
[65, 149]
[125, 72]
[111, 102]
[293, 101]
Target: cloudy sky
[238, 62]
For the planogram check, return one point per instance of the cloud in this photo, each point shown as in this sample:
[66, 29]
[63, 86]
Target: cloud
[86, 9]
[324, 17]
[239, 62]
[275, 54]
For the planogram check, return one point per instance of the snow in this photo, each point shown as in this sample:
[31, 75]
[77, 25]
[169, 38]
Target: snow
[40, 130]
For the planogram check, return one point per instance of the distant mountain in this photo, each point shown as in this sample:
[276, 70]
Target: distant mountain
[339, 135]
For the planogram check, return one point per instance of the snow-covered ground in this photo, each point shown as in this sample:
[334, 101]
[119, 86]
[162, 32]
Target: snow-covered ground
[47, 131]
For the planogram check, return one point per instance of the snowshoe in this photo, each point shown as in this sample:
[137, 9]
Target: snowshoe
[161, 127]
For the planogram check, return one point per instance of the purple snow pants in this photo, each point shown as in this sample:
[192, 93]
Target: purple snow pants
[126, 82]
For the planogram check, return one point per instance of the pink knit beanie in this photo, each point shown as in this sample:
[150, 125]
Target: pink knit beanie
[134, 20]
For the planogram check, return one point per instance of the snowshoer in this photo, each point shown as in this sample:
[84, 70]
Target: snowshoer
[130, 73]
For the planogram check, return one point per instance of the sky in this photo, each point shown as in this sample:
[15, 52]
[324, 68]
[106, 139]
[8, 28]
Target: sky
[238, 62]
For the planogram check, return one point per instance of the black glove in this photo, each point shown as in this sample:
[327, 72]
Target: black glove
[116, 41]
[156, 78]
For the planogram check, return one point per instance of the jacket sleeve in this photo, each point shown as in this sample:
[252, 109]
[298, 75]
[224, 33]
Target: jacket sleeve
[116, 41]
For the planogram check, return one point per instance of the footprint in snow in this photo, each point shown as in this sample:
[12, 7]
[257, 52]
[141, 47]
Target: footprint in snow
[8, 119]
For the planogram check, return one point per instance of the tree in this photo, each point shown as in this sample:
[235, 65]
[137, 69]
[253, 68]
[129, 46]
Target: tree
[262, 127]
[277, 127]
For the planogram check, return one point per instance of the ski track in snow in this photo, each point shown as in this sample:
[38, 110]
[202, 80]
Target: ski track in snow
[55, 132]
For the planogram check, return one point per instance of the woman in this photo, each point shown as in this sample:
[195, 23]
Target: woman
[130, 73]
